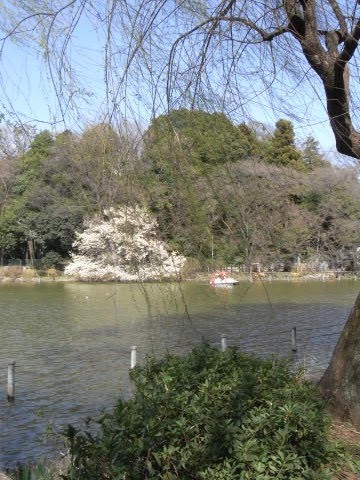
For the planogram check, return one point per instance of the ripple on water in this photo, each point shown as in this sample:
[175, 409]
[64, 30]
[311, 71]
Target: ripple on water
[73, 354]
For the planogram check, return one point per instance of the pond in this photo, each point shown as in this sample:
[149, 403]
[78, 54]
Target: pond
[72, 341]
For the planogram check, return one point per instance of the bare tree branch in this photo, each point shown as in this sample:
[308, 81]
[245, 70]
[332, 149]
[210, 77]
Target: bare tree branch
[52, 14]
[340, 17]
[188, 49]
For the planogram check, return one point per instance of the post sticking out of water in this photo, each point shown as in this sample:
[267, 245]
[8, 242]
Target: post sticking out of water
[293, 340]
[11, 382]
[223, 343]
[133, 357]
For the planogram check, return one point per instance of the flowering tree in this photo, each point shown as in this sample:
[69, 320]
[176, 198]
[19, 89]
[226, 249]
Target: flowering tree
[122, 245]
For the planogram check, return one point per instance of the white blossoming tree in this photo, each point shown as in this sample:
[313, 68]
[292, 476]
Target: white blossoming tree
[122, 245]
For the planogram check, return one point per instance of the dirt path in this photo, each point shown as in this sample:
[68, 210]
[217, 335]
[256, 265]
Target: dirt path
[348, 434]
[4, 477]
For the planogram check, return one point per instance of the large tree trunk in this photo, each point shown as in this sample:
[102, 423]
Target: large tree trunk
[328, 54]
[336, 85]
[340, 384]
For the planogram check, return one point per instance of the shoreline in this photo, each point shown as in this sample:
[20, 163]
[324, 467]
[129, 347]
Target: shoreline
[30, 276]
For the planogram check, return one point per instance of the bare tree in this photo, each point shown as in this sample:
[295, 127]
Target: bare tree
[219, 54]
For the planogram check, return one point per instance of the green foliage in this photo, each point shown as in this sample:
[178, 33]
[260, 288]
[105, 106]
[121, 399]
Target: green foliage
[51, 260]
[43, 206]
[280, 149]
[181, 150]
[41, 145]
[211, 415]
[197, 138]
[29, 167]
[217, 191]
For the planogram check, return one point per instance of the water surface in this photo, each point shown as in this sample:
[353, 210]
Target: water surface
[72, 341]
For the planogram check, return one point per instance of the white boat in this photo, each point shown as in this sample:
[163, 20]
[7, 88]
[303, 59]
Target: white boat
[221, 278]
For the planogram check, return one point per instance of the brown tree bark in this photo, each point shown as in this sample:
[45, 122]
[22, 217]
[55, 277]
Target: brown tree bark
[340, 384]
[328, 54]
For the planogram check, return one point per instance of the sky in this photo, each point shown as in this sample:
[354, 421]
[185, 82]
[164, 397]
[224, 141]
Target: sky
[28, 94]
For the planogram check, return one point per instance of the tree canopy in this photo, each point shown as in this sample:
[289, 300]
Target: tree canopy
[253, 199]
[205, 138]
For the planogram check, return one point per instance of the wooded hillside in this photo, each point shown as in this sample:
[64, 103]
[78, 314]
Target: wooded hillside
[218, 191]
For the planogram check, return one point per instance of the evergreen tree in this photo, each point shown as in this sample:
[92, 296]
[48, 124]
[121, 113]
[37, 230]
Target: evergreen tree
[183, 150]
[280, 149]
[311, 155]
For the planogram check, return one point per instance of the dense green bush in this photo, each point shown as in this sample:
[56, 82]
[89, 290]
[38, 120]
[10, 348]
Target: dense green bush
[209, 416]
[52, 260]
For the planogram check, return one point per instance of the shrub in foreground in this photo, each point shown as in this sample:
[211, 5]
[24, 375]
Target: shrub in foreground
[208, 416]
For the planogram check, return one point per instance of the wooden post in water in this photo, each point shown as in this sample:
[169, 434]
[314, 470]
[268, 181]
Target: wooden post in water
[133, 357]
[223, 343]
[293, 340]
[11, 382]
